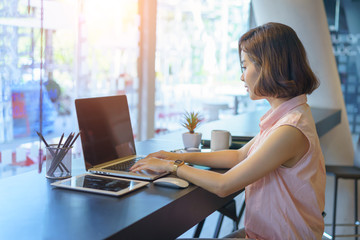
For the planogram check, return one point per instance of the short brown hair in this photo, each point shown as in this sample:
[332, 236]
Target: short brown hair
[278, 53]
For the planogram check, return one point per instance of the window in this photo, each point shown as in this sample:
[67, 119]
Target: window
[343, 18]
[197, 60]
[90, 48]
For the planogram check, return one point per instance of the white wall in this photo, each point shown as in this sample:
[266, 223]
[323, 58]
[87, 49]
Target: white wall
[308, 19]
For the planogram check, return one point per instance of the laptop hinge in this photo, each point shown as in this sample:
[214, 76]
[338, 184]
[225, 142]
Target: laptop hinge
[118, 160]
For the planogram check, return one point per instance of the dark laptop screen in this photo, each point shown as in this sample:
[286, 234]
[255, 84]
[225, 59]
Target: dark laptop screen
[106, 131]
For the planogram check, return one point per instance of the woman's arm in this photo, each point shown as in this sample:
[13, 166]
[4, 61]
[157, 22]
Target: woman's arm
[285, 146]
[219, 159]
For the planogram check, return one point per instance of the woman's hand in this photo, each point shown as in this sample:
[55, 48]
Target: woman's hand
[153, 164]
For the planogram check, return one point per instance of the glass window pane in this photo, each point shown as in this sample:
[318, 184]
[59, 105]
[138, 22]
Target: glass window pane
[197, 61]
[90, 48]
[345, 35]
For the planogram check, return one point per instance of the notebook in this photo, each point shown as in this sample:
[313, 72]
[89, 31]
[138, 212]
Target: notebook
[107, 137]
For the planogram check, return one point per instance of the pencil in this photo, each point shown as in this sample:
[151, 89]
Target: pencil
[65, 149]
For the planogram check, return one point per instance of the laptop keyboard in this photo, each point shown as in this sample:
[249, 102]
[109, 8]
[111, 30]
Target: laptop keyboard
[124, 166]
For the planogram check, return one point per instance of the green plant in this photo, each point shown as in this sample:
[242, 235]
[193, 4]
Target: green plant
[191, 120]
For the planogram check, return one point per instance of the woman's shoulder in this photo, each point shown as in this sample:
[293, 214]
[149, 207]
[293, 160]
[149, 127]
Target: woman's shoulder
[290, 118]
[297, 116]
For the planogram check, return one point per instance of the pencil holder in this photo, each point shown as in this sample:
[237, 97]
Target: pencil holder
[58, 161]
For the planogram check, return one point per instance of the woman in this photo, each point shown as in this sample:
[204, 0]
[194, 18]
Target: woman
[282, 168]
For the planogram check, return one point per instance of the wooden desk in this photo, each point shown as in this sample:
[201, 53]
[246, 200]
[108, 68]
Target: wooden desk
[32, 209]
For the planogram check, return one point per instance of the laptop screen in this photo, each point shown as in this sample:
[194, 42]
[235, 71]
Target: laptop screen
[106, 131]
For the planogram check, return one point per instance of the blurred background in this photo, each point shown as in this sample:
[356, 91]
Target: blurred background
[93, 48]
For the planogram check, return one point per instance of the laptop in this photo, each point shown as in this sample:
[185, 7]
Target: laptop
[107, 137]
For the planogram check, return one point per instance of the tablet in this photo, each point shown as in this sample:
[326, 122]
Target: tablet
[100, 184]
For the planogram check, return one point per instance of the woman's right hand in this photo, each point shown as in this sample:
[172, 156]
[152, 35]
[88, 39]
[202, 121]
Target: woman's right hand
[165, 155]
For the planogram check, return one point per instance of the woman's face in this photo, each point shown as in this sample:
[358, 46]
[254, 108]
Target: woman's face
[249, 75]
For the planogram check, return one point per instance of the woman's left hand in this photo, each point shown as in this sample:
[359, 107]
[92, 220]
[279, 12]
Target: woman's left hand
[153, 164]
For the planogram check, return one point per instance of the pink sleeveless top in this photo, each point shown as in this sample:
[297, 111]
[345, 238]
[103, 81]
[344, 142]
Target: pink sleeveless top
[288, 202]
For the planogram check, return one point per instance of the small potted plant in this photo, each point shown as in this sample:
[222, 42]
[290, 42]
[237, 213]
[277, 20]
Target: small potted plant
[191, 121]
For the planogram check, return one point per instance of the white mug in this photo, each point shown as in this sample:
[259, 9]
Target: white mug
[220, 140]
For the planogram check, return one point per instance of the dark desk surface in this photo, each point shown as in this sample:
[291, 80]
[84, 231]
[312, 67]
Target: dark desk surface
[31, 208]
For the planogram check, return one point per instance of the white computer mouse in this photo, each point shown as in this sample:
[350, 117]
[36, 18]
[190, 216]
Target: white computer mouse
[172, 182]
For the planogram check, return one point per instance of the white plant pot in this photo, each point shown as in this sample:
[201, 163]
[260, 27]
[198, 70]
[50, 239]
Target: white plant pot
[191, 140]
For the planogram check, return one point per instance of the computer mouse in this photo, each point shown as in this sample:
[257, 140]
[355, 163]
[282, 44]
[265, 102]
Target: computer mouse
[172, 182]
